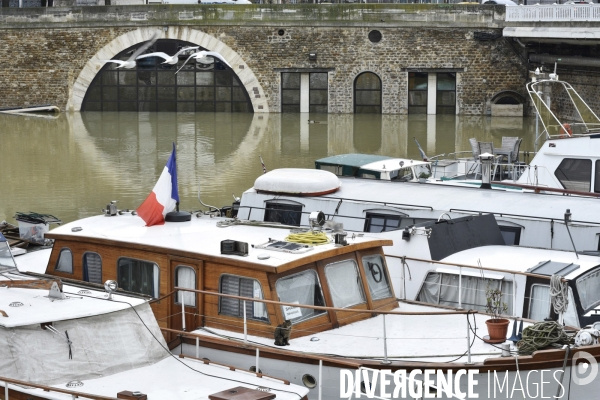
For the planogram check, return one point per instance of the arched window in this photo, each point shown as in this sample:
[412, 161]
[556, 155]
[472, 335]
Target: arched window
[208, 86]
[367, 94]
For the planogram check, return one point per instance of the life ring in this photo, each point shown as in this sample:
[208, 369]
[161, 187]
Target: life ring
[566, 131]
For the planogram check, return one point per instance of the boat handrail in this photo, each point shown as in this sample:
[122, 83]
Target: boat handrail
[507, 271]
[323, 308]
[46, 388]
[537, 189]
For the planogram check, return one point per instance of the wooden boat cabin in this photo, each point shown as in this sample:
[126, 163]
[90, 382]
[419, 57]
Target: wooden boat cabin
[208, 254]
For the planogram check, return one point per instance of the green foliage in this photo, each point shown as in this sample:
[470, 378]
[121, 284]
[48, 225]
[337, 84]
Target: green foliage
[494, 304]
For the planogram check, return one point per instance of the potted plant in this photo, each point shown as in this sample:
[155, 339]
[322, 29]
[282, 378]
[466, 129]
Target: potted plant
[496, 325]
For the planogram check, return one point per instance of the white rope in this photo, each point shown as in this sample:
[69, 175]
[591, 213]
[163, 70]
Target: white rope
[559, 294]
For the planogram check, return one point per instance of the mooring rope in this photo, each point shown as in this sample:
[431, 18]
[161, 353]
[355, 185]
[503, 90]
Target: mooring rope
[310, 237]
[542, 334]
[559, 294]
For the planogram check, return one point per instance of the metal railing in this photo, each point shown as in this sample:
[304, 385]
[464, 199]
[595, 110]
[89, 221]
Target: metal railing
[554, 13]
[74, 394]
[337, 309]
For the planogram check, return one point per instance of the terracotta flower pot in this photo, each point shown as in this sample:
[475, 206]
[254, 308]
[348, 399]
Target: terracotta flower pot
[497, 328]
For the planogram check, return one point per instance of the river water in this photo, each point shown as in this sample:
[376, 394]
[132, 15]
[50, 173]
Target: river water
[72, 165]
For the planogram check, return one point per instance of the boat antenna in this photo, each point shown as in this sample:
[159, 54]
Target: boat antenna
[206, 205]
[567, 221]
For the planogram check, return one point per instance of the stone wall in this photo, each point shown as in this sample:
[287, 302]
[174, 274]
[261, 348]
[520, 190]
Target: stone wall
[41, 64]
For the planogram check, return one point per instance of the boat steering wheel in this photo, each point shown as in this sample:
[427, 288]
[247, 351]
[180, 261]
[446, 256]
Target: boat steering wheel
[376, 271]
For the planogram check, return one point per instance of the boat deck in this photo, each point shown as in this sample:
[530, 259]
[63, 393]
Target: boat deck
[437, 338]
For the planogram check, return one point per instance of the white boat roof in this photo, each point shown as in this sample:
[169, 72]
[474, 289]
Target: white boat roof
[520, 259]
[463, 199]
[33, 306]
[440, 338]
[170, 379]
[200, 236]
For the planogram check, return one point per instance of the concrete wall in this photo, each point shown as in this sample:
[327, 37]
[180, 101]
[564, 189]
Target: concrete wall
[45, 50]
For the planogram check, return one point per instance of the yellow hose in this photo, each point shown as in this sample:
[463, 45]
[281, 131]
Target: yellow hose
[312, 238]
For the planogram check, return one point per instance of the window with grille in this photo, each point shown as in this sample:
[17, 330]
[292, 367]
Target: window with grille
[92, 267]
[245, 287]
[446, 93]
[417, 92]
[204, 86]
[287, 214]
[367, 94]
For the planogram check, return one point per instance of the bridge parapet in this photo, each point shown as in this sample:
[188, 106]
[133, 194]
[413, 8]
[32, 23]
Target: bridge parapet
[554, 13]
[371, 15]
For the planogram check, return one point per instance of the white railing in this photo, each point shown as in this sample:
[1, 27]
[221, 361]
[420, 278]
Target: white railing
[554, 12]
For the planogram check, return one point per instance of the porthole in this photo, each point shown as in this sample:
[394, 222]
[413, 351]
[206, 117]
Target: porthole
[253, 369]
[309, 381]
[375, 36]
[281, 32]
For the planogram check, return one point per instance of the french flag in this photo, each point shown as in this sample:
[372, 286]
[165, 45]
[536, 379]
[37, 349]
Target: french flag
[164, 197]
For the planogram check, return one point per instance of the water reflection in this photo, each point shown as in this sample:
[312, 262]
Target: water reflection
[73, 165]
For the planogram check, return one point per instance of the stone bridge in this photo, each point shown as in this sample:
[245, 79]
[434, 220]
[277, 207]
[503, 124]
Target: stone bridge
[340, 58]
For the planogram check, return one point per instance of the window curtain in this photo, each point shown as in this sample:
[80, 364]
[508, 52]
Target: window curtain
[260, 309]
[570, 317]
[381, 289]
[539, 304]
[65, 261]
[440, 288]
[302, 288]
[186, 278]
[92, 268]
[344, 284]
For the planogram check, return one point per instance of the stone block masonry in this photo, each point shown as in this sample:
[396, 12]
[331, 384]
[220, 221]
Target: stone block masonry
[43, 55]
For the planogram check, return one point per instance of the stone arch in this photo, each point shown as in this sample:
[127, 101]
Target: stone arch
[508, 97]
[240, 68]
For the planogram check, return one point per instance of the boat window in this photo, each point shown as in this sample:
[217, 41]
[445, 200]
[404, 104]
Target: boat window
[588, 287]
[442, 288]
[382, 222]
[246, 287]
[301, 288]
[185, 277]
[138, 276]
[597, 177]
[344, 283]
[6, 259]
[92, 267]
[334, 169]
[404, 175]
[510, 234]
[539, 302]
[423, 171]
[375, 270]
[287, 214]
[365, 173]
[65, 261]
[575, 174]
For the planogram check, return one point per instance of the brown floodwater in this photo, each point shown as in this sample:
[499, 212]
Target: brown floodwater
[72, 165]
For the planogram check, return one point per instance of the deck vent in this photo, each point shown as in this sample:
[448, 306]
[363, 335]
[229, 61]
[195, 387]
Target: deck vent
[550, 268]
[74, 384]
[84, 292]
[242, 393]
[16, 304]
[234, 248]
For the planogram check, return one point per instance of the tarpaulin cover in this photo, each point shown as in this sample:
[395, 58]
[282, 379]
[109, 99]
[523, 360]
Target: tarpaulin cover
[101, 345]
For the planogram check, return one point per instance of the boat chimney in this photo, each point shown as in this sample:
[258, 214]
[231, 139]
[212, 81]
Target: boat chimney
[486, 170]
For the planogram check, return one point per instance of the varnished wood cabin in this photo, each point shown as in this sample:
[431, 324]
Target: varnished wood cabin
[155, 260]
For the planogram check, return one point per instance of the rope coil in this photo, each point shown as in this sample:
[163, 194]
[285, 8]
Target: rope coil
[542, 334]
[310, 237]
